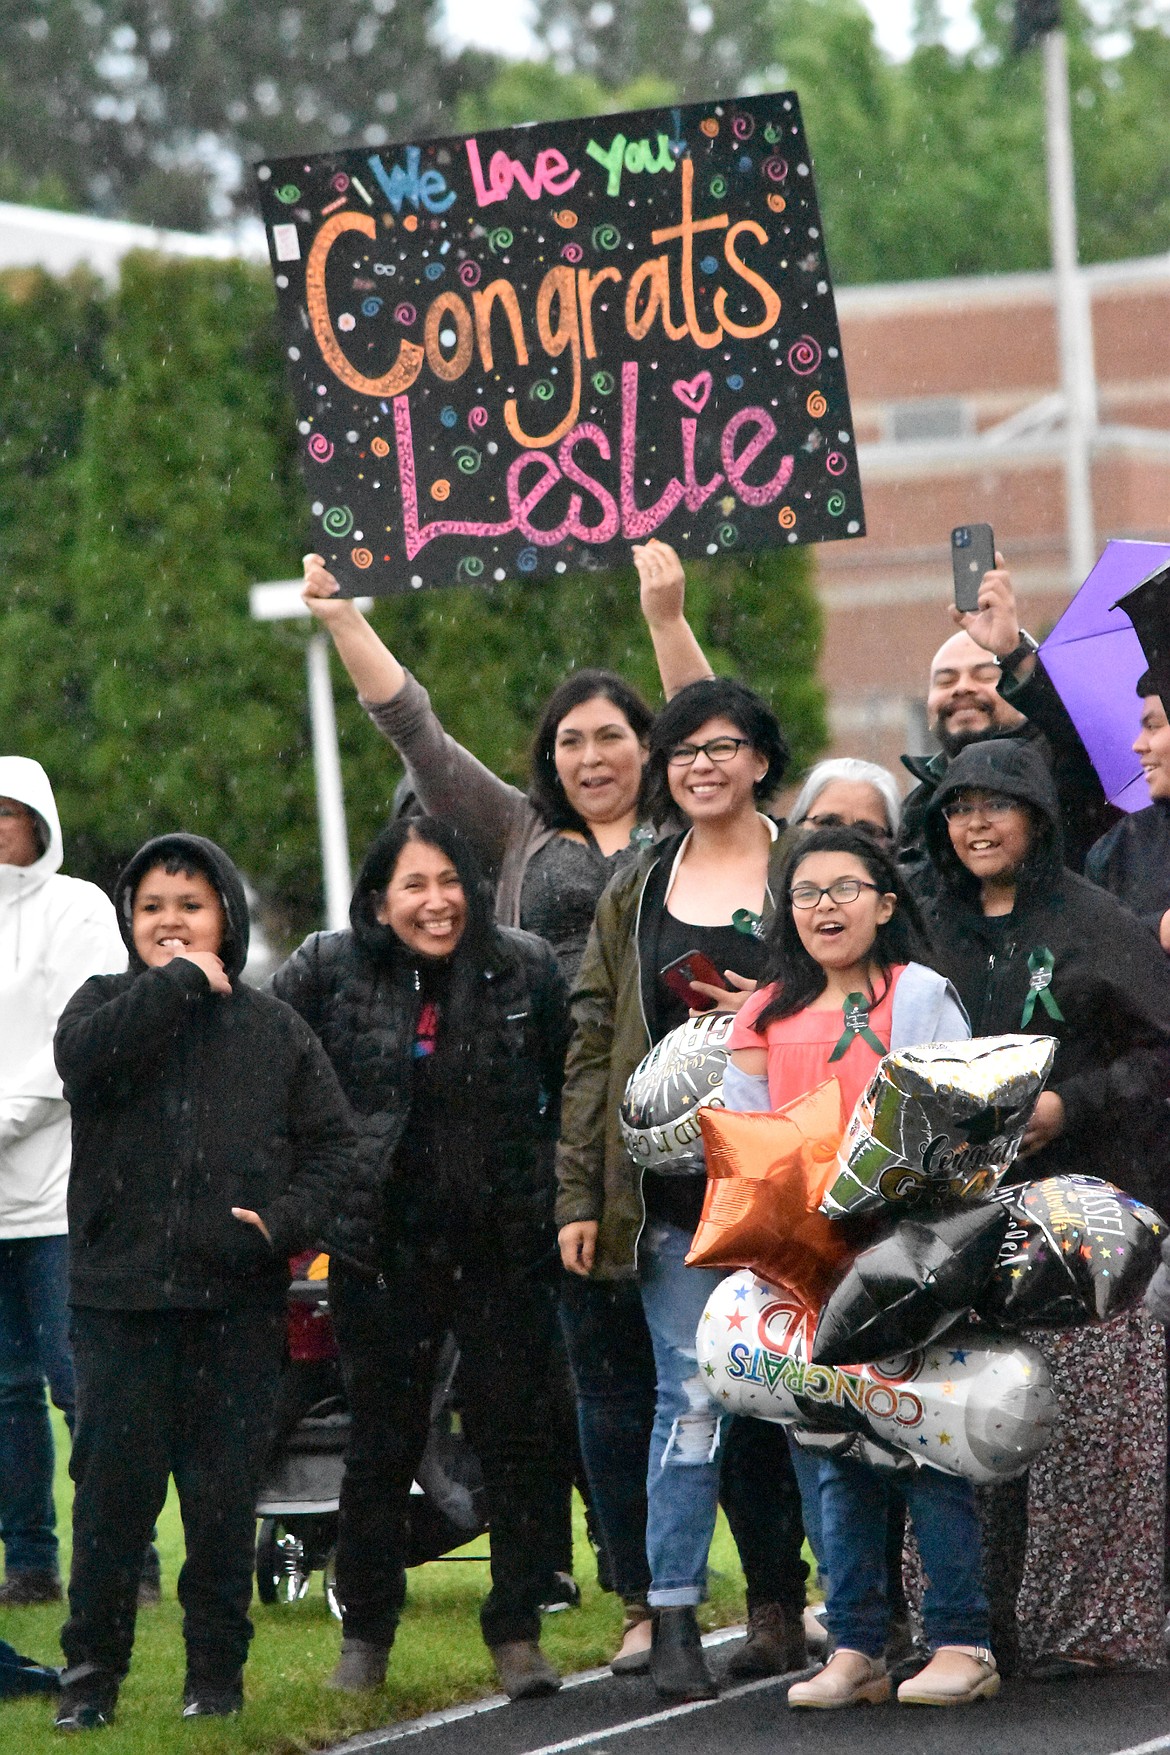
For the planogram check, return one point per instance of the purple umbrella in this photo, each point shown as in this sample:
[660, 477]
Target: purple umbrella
[1094, 658]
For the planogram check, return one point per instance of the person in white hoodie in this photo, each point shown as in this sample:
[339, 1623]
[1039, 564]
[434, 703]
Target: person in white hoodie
[55, 932]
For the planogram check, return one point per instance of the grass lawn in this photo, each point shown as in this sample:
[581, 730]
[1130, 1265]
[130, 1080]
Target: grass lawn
[439, 1657]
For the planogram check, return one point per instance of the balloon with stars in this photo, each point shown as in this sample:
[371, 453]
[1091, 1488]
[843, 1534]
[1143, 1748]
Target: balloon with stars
[976, 1405]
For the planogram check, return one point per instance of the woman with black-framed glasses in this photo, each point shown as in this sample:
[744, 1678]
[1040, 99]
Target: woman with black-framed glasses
[716, 757]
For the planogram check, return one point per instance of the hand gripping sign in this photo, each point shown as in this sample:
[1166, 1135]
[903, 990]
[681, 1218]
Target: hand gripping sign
[973, 1404]
[512, 354]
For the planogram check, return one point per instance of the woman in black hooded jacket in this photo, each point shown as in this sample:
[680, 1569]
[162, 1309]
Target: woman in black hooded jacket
[448, 1036]
[1032, 947]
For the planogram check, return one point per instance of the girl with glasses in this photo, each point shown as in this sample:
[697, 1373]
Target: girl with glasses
[841, 988]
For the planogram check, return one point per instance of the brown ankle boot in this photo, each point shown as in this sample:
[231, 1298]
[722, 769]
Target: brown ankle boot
[775, 1643]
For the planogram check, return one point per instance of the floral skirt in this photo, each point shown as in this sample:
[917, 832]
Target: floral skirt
[1083, 1535]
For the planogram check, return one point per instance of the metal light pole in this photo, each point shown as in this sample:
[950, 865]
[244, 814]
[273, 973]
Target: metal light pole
[281, 601]
[1074, 313]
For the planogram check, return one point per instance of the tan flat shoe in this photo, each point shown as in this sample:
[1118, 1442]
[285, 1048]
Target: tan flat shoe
[633, 1655]
[848, 1679]
[955, 1676]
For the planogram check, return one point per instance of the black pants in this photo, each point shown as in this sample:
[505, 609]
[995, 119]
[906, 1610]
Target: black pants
[613, 1369]
[168, 1392]
[389, 1336]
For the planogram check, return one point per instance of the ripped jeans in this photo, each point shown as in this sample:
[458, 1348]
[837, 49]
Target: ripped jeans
[682, 1485]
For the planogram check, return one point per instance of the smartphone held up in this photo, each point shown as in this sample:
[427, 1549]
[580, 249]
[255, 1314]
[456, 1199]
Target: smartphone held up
[972, 555]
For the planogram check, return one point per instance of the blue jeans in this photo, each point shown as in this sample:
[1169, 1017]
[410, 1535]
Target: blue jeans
[855, 1506]
[612, 1360]
[682, 1483]
[34, 1348]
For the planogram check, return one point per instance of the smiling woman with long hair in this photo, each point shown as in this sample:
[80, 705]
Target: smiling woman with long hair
[447, 1033]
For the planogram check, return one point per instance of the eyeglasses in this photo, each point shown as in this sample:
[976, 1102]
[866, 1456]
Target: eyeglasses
[993, 805]
[830, 820]
[719, 749]
[840, 890]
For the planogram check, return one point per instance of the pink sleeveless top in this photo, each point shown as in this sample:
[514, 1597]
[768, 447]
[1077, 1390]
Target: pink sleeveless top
[798, 1048]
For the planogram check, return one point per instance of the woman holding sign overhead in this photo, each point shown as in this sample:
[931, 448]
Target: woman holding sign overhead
[551, 852]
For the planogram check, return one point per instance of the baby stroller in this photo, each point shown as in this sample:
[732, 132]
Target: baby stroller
[298, 1502]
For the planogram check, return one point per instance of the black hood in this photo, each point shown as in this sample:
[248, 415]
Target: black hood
[1012, 766]
[381, 941]
[217, 868]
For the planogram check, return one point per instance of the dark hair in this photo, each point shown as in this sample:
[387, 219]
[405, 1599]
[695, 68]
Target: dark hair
[798, 977]
[545, 790]
[176, 864]
[379, 866]
[1145, 684]
[715, 697]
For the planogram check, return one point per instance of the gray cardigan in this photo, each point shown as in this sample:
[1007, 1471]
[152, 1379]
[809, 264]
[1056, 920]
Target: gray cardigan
[499, 820]
[926, 1009]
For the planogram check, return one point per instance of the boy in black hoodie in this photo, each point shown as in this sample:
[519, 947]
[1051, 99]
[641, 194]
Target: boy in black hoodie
[210, 1141]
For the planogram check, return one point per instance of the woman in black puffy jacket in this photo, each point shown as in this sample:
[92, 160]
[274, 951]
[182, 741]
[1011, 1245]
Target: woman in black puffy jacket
[448, 1035]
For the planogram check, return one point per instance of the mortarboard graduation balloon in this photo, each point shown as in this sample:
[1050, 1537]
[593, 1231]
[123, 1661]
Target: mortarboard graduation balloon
[972, 1404]
[940, 1122]
[659, 1112]
[765, 1177]
[1077, 1250]
[912, 1285]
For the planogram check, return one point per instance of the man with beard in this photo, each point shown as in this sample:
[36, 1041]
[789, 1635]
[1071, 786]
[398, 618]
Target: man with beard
[987, 682]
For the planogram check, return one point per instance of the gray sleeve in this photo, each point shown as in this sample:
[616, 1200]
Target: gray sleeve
[745, 1091]
[926, 1009]
[451, 783]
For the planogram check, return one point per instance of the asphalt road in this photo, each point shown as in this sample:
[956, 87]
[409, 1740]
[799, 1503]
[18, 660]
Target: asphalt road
[1108, 1715]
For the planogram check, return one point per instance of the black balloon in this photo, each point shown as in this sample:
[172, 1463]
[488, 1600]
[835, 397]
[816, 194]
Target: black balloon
[906, 1289]
[1077, 1250]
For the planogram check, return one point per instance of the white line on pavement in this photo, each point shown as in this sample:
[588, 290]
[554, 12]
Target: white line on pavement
[1145, 1748]
[368, 1742]
[669, 1712]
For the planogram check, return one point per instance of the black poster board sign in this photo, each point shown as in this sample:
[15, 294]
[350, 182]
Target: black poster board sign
[514, 354]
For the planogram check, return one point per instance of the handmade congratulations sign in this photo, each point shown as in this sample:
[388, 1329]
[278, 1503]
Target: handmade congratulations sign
[518, 353]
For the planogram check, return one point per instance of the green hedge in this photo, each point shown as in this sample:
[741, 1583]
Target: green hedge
[147, 478]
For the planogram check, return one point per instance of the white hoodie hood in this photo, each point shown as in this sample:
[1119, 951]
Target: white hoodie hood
[55, 932]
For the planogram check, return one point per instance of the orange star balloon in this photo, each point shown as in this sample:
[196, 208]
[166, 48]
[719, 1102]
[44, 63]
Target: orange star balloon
[766, 1175]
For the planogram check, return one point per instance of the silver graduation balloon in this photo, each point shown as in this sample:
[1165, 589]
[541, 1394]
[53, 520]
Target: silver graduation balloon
[660, 1110]
[972, 1404]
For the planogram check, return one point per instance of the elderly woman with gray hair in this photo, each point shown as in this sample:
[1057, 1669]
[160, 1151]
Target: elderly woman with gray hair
[846, 793]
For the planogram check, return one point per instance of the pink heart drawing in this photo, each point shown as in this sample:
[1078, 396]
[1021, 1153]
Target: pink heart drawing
[693, 392]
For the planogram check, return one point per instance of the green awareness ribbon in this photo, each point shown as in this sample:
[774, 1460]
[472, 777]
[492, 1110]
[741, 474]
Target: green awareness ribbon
[1041, 964]
[856, 1014]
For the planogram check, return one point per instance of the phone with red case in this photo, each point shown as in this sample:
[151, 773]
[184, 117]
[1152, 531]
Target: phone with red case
[694, 966]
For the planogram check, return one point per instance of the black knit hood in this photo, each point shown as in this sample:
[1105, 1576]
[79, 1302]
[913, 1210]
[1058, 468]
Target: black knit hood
[203, 856]
[1015, 768]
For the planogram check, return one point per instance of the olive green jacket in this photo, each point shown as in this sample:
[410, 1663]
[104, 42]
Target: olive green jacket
[596, 1177]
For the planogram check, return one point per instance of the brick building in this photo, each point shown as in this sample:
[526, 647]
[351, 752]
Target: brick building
[955, 397]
